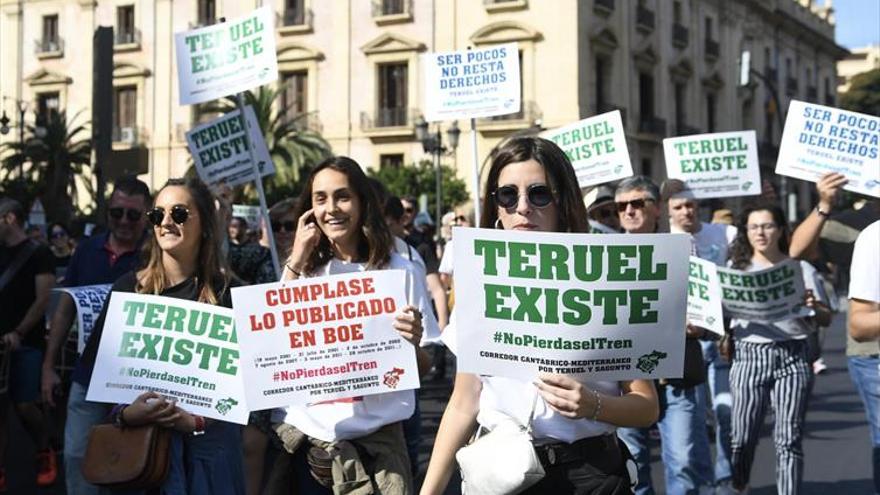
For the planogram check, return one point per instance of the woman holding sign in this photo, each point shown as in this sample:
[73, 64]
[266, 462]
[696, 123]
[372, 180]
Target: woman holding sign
[356, 441]
[771, 364]
[183, 261]
[531, 186]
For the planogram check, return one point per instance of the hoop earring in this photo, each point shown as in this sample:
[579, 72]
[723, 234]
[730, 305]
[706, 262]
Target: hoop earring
[498, 224]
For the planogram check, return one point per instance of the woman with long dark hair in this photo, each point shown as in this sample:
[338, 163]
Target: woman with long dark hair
[183, 261]
[771, 364]
[531, 186]
[341, 229]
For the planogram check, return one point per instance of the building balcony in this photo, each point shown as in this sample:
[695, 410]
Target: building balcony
[679, 36]
[127, 40]
[812, 94]
[791, 86]
[686, 130]
[128, 136]
[49, 47]
[644, 19]
[389, 122]
[603, 7]
[605, 107]
[712, 49]
[652, 125]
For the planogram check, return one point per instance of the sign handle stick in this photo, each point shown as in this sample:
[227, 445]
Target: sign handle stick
[258, 178]
[476, 172]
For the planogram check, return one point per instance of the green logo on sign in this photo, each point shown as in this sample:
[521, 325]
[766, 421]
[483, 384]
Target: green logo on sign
[225, 405]
[618, 168]
[648, 362]
[710, 320]
[746, 185]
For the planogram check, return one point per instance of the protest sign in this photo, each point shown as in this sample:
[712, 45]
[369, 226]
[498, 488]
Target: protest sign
[220, 149]
[180, 349]
[471, 83]
[251, 214]
[704, 296]
[598, 307]
[324, 338]
[89, 300]
[819, 139]
[226, 58]
[596, 147]
[771, 294]
[715, 165]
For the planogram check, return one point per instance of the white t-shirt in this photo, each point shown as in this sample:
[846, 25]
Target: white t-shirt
[353, 418]
[791, 329]
[711, 242]
[864, 280]
[503, 398]
[447, 259]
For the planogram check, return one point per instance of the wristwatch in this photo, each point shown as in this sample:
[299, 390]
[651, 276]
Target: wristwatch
[823, 214]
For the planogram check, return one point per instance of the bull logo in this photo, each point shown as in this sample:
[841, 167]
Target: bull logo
[648, 362]
[392, 378]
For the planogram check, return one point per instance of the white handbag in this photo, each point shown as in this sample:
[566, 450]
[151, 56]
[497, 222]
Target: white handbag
[501, 462]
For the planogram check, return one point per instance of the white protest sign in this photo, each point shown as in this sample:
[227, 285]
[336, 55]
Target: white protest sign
[324, 338]
[180, 349]
[251, 214]
[89, 300]
[819, 139]
[226, 58]
[598, 307]
[771, 294]
[715, 165]
[220, 149]
[704, 296]
[471, 83]
[596, 147]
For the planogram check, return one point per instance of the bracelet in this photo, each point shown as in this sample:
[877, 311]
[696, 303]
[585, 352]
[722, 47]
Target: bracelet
[598, 407]
[823, 214]
[298, 274]
[116, 415]
[200, 425]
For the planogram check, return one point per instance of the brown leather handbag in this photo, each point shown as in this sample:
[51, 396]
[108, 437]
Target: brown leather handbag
[134, 458]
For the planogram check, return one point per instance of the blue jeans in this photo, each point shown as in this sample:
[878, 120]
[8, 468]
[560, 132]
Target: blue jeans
[718, 379]
[81, 416]
[865, 374]
[684, 444]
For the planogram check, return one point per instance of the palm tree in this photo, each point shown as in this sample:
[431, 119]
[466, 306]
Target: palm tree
[57, 159]
[293, 146]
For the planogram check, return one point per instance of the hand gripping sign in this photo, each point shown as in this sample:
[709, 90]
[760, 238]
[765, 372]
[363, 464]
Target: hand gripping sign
[181, 349]
[316, 339]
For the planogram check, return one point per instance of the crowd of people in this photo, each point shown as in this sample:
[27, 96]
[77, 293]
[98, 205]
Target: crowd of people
[590, 436]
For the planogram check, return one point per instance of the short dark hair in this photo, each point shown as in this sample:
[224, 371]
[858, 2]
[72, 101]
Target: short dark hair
[672, 188]
[394, 208]
[9, 205]
[639, 183]
[132, 186]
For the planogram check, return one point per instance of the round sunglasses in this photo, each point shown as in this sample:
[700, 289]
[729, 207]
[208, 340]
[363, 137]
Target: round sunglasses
[538, 195]
[179, 215]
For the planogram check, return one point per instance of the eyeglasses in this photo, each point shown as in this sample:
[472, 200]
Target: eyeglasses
[761, 226]
[57, 234]
[131, 214]
[638, 204]
[179, 215]
[286, 226]
[538, 195]
[459, 219]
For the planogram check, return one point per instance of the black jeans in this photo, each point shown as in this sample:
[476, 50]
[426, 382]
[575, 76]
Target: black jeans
[593, 469]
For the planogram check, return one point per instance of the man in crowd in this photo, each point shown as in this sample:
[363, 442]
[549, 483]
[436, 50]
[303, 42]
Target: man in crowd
[601, 210]
[27, 275]
[99, 259]
[710, 242]
[238, 231]
[685, 443]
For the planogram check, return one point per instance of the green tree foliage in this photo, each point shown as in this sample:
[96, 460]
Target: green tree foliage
[420, 178]
[53, 164]
[294, 146]
[863, 94]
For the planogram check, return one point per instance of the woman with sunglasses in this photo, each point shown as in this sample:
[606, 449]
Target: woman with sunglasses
[531, 186]
[771, 364]
[341, 229]
[182, 260]
[62, 247]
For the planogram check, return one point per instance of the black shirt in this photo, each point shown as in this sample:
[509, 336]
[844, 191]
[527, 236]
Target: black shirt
[19, 294]
[188, 290]
[427, 249]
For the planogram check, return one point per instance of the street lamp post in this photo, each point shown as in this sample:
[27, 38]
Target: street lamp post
[433, 143]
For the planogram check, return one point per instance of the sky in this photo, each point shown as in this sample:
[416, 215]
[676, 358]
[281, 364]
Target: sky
[858, 22]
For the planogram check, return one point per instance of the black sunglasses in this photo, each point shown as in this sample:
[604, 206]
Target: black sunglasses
[636, 203]
[538, 195]
[179, 215]
[287, 226]
[130, 214]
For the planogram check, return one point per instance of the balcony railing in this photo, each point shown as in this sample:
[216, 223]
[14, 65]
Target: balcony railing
[605, 107]
[713, 49]
[791, 86]
[528, 111]
[644, 19]
[388, 117]
[128, 135]
[812, 93]
[132, 37]
[49, 45]
[679, 36]
[650, 124]
[603, 6]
